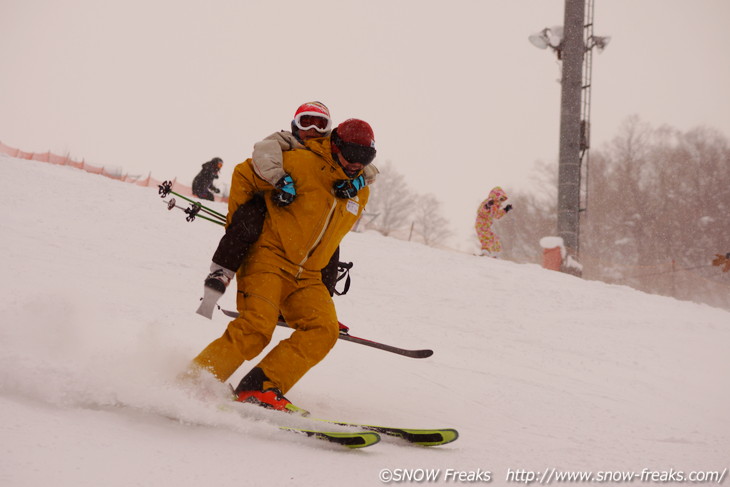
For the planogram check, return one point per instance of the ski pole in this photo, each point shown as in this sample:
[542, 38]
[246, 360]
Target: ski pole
[192, 212]
[166, 188]
[345, 335]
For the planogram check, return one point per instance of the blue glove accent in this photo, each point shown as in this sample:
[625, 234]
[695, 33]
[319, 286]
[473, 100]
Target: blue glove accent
[284, 192]
[286, 184]
[359, 182]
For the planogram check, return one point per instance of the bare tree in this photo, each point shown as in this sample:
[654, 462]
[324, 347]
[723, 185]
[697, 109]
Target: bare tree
[658, 205]
[429, 222]
[391, 201]
[657, 213]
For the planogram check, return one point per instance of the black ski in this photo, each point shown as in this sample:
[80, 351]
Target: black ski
[424, 353]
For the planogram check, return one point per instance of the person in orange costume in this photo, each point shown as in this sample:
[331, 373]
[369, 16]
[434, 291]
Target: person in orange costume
[282, 271]
[490, 210]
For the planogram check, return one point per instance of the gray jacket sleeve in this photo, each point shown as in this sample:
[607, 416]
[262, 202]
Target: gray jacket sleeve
[370, 173]
[267, 159]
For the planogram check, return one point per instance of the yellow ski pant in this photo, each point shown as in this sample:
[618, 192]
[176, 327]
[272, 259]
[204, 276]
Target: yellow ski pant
[307, 307]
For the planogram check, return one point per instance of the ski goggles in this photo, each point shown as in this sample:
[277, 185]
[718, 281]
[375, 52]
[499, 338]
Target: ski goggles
[318, 123]
[356, 153]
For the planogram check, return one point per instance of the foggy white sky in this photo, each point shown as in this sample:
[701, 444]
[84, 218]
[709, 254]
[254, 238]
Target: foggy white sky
[459, 99]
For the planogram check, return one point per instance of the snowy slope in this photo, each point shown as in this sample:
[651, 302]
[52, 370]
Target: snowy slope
[536, 369]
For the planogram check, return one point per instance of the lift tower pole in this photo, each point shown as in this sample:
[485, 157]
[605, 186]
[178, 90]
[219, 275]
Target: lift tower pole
[571, 125]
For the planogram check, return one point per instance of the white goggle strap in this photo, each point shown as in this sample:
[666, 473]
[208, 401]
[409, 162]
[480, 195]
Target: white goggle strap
[297, 122]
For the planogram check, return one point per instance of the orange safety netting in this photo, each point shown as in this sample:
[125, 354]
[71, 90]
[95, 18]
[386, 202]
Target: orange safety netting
[110, 172]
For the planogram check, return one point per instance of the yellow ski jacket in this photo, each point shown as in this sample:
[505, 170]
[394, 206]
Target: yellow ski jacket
[300, 238]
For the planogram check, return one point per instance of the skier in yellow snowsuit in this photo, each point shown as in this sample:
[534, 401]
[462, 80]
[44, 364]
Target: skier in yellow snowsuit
[282, 272]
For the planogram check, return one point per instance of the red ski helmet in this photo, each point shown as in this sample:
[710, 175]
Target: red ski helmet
[355, 140]
[313, 115]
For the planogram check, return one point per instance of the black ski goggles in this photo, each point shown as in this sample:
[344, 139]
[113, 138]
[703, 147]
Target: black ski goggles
[354, 153]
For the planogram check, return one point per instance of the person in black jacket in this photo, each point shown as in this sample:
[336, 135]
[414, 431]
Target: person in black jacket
[203, 186]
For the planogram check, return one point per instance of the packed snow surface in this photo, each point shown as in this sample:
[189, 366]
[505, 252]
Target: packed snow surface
[536, 369]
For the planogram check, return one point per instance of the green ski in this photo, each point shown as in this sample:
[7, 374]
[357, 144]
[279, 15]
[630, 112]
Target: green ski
[423, 437]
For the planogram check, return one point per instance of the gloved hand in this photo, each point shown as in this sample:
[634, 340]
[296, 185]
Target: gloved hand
[348, 188]
[215, 190]
[507, 208]
[284, 192]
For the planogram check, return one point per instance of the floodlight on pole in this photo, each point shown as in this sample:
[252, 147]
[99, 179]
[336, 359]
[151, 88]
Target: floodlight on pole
[551, 37]
[540, 39]
[599, 42]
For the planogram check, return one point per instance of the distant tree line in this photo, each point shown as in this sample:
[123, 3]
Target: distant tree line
[657, 210]
[395, 210]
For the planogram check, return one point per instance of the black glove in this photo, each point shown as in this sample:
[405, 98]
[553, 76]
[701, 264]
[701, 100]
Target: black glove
[284, 192]
[507, 208]
[215, 190]
[348, 188]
